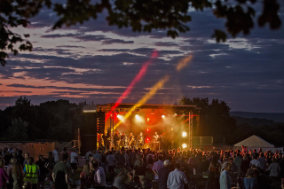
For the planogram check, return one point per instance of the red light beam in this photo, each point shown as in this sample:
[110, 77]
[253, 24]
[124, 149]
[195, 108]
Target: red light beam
[137, 78]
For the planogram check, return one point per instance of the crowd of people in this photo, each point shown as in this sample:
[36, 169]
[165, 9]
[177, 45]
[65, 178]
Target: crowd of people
[143, 168]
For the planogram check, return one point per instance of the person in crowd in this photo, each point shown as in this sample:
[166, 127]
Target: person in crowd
[157, 166]
[245, 164]
[121, 179]
[262, 162]
[225, 178]
[274, 169]
[255, 160]
[42, 169]
[17, 174]
[60, 173]
[3, 175]
[250, 180]
[26, 158]
[163, 174]
[100, 176]
[87, 177]
[73, 159]
[55, 154]
[31, 174]
[214, 173]
[177, 178]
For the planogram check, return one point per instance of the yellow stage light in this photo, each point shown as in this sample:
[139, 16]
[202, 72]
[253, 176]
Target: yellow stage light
[184, 145]
[184, 134]
[138, 119]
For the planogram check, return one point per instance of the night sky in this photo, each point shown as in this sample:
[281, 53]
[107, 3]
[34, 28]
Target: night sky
[95, 63]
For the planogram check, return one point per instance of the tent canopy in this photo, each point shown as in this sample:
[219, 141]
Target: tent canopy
[255, 142]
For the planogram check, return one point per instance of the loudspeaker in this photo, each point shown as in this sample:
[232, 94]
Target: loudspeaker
[88, 133]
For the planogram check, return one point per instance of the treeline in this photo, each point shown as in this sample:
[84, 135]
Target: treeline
[216, 121]
[58, 120]
[49, 120]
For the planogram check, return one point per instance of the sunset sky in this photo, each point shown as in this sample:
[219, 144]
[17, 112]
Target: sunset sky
[95, 63]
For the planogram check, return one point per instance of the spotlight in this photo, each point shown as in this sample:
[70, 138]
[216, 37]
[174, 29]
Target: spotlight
[121, 118]
[184, 145]
[163, 116]
[184, 134]
[138, 119]
[148, 119]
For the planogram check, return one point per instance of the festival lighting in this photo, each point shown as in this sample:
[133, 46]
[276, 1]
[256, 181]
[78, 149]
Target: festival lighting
[184, 145]
[137, 78]
[148, 119]
[148, 130]
[120, 118]
[184, 134]
[147, 139]
[146, 97]
[182, 64]
[139, 119]
[163, 116]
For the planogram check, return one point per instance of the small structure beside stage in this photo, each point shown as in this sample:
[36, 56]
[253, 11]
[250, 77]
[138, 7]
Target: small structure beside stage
[256, 142]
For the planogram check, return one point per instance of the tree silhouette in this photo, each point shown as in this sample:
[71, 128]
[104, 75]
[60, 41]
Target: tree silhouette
[139, 15]
[215, 119]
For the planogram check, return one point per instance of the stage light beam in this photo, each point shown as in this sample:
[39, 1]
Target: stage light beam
[137, 78]
[184, 145]
[146, 97]
[183, 63]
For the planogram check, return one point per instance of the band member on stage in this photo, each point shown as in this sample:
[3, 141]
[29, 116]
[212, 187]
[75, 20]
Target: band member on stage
[116, 140]
[106, 139]
[126, 141]
[122, 139]
[131, 140]
[156, 137]
[156, 141]
[141, 140]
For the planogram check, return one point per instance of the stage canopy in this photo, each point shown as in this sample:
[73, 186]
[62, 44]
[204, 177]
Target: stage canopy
[254, 142]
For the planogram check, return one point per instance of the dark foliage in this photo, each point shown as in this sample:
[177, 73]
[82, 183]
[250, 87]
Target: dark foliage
[50, 120]
[267, 129]
[215, 119]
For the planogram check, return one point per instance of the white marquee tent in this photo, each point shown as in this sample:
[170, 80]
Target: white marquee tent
[254, 142]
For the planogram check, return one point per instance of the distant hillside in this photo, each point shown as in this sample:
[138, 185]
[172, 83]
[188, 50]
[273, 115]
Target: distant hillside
[277, 117]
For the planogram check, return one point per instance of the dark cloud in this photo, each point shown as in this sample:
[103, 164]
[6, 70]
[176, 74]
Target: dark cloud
[58, 35]
[70, 46]
[111, 41]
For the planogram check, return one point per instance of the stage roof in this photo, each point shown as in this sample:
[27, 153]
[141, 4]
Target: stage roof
[149, 106]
